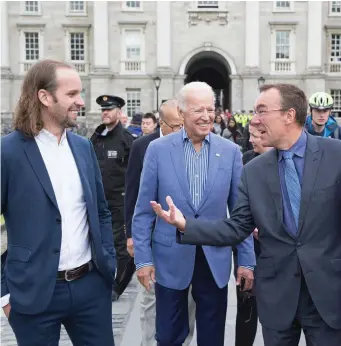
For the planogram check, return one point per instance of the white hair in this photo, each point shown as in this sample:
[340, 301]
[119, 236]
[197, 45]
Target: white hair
[192, 87]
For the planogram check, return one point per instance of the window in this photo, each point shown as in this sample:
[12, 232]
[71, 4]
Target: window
[133, 51]
[336, 95]
[133, 101]
[30, 8]
[208, 4]
[77, 53]
[282, 50]
[77, 46]
[82, 110]
[283, 6]
[132, 5]
[76, 8]
[335, 53]
[31, 46]
[335, 8]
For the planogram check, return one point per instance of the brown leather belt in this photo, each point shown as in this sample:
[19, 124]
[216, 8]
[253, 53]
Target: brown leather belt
[76, 273]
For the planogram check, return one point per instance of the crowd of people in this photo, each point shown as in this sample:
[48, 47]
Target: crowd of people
[174, 197]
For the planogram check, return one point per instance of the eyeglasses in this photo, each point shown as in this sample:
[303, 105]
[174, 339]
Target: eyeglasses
[263, 112]
[174, 127]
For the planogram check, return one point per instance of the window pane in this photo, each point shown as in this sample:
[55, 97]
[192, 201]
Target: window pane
[133, 4]
[335, 48]
[336, 95]
[31, 6]
[77, 6]
[133, 101]
[208, 4]
[283, 4]
[336, 7]
[77, 46]
[283, 45]
[31, 46]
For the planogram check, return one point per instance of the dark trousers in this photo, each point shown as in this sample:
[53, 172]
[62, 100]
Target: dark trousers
[125, 263]
[211, 303]
[316, 331]
[83, 306]
[247, 315]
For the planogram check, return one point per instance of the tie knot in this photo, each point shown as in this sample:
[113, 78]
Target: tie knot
[288, 155]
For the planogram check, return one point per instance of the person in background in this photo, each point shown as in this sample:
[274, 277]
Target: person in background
[228, 115]
[247, 316]
[112, 144]
[232, 132]
[124, 120]
[246, 144]
[321, 122]
[149, 124]
[219, 124]
[135, 125]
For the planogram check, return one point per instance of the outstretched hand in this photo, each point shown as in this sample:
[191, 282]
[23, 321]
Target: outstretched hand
[173, 216]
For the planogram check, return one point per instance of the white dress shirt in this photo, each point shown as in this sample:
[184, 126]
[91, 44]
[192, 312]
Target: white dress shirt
[61, 167]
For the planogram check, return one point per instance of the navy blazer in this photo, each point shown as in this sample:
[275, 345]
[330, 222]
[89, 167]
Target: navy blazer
[33, 220]
[133, 175]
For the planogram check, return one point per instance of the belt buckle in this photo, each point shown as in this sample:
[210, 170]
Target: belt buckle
[66, 277]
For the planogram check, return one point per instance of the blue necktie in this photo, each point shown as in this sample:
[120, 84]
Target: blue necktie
[293, 184]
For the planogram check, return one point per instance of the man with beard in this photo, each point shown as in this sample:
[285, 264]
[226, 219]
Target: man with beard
[59, 265]
[112, 144]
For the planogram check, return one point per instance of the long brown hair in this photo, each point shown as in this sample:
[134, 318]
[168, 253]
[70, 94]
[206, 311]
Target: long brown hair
[42, 75]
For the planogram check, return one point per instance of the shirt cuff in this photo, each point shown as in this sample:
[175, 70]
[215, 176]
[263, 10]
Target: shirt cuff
[248, 267]
[5, 300]
[141, 265]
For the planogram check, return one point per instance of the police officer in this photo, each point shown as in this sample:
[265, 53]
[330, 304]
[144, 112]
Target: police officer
[112, 144]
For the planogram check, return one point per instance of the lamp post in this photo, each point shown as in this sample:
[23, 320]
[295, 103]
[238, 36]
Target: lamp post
[157, 82]
[261, 81]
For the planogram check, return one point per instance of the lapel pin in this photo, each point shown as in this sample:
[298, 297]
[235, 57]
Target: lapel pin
[217, 155]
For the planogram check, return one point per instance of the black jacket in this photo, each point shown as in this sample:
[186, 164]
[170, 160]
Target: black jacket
[112, 151]
[133, 175]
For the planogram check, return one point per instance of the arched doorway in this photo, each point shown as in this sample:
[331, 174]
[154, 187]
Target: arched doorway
[212, 68]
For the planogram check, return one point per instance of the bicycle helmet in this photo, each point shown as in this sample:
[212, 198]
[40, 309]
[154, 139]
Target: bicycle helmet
[321, 100]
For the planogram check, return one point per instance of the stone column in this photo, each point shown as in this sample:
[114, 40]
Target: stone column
[4, 36]
[314, 39]
[163, 35]
[236, 93]
[252, 35]
[101, 35]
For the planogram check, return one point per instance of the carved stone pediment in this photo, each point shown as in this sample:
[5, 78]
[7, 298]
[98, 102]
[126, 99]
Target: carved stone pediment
[207, 16]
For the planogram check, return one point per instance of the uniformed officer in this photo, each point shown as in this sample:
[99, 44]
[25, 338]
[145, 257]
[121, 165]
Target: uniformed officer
[112, 144]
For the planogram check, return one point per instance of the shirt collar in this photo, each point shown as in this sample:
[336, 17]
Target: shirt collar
[298, 148]
[47, 137]
[185, 136]
[161, 134]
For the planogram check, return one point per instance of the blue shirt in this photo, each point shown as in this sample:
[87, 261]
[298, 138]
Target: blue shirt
[196, 167]
[299, 150]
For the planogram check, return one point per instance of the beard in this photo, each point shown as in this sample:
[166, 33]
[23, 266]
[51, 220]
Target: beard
[61, 117]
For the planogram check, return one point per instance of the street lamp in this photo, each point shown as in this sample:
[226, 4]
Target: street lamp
[157, 82]
[261, 81]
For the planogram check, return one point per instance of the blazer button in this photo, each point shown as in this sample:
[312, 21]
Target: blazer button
[299, 245]
[58, 220]
[196, 216]
[56, 251]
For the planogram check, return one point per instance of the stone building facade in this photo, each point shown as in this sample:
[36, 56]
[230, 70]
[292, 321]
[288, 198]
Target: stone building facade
[119, 47]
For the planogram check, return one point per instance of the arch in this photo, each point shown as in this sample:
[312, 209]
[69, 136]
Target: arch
[208, 48]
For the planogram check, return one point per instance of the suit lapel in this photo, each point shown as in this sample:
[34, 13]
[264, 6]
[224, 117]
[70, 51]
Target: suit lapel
[178, 158]
[311, 164]
[34, 156]
[80, 159]
[213, 165]
[272, 177]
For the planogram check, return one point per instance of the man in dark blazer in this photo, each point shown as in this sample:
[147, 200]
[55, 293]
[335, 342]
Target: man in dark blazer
[170, 122]
[292, 194]
[60, 262]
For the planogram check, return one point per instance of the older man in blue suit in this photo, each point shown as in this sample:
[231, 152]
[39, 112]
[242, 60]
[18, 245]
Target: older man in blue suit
[60, 262]
[202, 172]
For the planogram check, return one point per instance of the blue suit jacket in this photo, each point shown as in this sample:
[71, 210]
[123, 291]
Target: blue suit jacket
[164, 174]
[33, 220]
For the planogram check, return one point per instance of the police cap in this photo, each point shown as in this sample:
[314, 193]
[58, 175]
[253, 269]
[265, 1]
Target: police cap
[110, 102]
